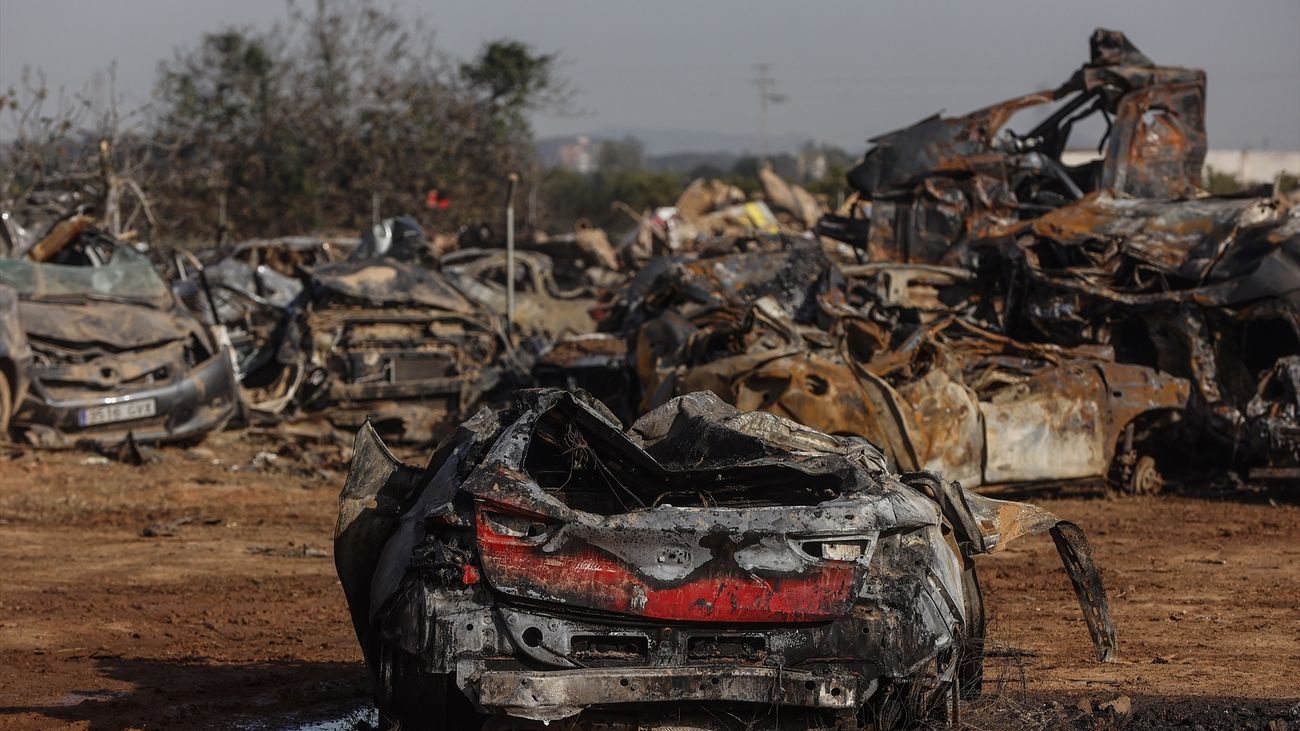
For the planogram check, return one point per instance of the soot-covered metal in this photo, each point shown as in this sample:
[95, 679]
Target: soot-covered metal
[547, 563]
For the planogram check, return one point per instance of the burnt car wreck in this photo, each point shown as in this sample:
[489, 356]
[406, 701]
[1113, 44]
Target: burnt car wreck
[547, 564]
[109, 352]
[926, 189]
[1121, 259]
[375, 335]
[1206, 290]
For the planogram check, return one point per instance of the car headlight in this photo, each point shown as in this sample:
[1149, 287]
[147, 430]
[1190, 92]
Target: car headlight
[515, 526]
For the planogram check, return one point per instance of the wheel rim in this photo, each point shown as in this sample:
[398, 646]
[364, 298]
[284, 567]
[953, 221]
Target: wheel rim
[1147, 480]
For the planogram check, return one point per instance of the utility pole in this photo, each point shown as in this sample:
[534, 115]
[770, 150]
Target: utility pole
[766, 95]
[513, 179]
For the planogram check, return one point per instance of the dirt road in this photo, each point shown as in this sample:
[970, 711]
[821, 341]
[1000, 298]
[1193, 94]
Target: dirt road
[198, 592]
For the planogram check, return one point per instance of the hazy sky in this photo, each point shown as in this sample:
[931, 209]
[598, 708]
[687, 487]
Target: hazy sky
[850, 69]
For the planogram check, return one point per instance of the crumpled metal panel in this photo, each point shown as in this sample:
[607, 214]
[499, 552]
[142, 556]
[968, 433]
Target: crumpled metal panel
[1052, 426]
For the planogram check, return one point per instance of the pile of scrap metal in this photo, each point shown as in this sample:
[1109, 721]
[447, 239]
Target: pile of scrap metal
[713, 217]
[1205, 289]
[876, 352]
[391, 325]
[94, 347]
[1123, 253]
[707, 568]
[377, 334]
[925, 190]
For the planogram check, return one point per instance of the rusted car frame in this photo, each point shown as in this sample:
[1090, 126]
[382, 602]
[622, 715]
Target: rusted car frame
[928, 188]
[891, 353]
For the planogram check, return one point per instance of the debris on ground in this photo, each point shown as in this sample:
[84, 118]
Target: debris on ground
[171, 528]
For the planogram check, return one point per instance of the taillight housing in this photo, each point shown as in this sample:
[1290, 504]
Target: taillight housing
[839, 549]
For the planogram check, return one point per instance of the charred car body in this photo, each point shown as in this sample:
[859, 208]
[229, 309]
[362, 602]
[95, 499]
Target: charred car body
[931, 187]
[547, 563]
[114, 352]
[892, 354]
[379, 336]
[1207, 290]
[1123, 255]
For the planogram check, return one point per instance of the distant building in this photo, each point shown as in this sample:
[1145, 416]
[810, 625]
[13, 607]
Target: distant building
[578, 155]
[812, 165]
[1248, 166]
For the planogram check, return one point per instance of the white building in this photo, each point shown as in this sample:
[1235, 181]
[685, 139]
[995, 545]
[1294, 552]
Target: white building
[1248, 166]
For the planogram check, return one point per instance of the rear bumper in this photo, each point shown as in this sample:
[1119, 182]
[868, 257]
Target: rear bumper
[550, 695]
[202, 401]
[538, 666]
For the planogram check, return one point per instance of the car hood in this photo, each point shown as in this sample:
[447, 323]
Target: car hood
[390, 282]
[116, 325]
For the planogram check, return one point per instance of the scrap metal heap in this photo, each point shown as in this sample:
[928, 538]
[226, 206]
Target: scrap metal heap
[1001, 316]
[1121, 258]
[1139, 341]
[926, 189]
[547, 562]
[866, 351]
[392, 325]
[379, 335]
[713, 217]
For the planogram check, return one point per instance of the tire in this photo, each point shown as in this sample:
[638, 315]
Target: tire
[970, 661]
[413, 700]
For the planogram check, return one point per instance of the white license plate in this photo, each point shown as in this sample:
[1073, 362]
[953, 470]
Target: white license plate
[125, 411]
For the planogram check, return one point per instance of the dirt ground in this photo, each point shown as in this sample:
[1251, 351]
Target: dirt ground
[198, 592]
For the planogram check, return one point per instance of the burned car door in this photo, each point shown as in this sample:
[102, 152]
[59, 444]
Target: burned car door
[1157, 145]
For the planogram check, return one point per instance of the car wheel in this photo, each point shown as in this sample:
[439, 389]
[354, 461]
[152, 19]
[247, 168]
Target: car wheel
[970, 660]
[411, 699]
[1146, 478]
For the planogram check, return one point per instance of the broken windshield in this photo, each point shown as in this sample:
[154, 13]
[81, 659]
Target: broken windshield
[127, 276]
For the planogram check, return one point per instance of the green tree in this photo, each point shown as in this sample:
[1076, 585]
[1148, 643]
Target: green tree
[513, 76]
[298, 126]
